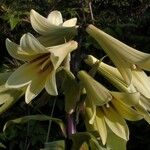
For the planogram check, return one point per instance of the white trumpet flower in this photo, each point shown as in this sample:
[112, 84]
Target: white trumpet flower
[140, 83]
[52, 29]
[123, 56]
[40, 67]
[110, 108]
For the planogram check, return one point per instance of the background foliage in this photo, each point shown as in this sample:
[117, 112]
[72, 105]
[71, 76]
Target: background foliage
[127, 20]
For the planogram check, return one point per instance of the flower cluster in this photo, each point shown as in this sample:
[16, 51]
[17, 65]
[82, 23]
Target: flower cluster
[42, 57]
[132, 102]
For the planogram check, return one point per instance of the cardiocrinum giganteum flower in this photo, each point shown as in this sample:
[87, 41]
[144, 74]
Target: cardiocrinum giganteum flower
[52, 29]
[123, 56]
[140, 83]
[106, 109]
[41, 64]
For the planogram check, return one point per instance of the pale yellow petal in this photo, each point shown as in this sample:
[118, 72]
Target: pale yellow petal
[141, 82]
[143, 111]
[41, 24]
[129, 53]
[101, 126]
[96, 92]
[146, 102]
[120, 53]
[70, 23]
[22, 76]
[144, 64]
[116, 123]
[16, 51]
[35, 87]
[92, 109]
[131, 99]
[55, 18]
[31, 45]
[111, 73]
[98, 124]
[50, 84]
[58, 53]
[126, 111]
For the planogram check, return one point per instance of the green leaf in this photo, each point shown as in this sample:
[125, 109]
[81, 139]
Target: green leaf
[8, 97]
[56, 145]
[71, 91]
[25, 119]
[13, 21]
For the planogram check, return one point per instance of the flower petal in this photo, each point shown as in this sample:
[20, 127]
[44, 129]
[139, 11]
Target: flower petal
[125, 111]
[110, 72]
[119, 52]
[22, 76]
[116, 123]
[55, 18]
[145, 64]
[50, 84]
[101, 126]
[146, 102]
[41, 24]
[92, 106]
[16, 51]
[52, 32]
[141, 82]
[70, 23]
[96, 92]
[98, 124]
[130, 99]
[51, 40]
[31, 45]
[35, 87]
[58, 53]
[142, 110]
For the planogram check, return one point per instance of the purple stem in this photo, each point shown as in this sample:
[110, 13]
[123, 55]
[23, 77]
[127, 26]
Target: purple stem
[71, 127]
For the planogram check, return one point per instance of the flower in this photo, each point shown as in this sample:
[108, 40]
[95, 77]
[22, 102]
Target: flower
[53, 30]
[95, 91]
[140, 83]
[123, 56]
[40, 67]
[111, 108]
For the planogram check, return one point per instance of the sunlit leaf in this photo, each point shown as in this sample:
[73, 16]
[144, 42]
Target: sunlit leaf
[25, 119]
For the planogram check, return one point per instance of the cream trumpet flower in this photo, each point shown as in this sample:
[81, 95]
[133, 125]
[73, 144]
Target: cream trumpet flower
[53, 30]
[123, 56]
[110, 108]
[40, 67]
[95, 91]
[140, 83]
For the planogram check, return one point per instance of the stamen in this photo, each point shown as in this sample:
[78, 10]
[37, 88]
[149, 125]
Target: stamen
[107, 105]
[45, 64]
[134, 67]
